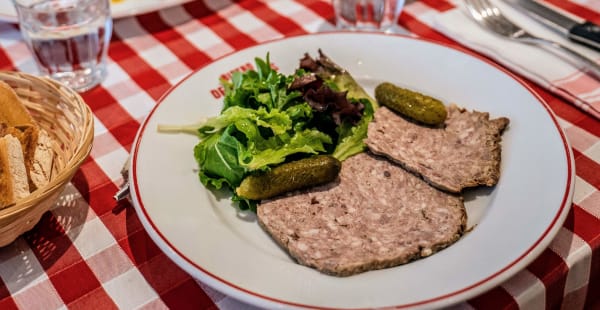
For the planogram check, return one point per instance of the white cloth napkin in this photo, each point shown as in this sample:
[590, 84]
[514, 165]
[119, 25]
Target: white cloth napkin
[545, 68]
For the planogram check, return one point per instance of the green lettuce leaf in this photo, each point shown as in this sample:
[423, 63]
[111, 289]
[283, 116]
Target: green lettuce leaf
[351, 137]
[264, 123]
[307, 142]
[217, 157]
[276, 120]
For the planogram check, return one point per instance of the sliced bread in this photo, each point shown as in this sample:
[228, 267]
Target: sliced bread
[40, 171]
[14, 183]
[12, 110]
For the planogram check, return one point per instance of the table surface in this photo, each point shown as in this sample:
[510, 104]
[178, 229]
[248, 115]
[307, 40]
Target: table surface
[95, 253]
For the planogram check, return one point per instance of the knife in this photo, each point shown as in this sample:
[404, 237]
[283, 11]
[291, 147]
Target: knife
[584, 32]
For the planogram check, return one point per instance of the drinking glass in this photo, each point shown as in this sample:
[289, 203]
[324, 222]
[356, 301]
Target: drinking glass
[370, 15]
[68, 38]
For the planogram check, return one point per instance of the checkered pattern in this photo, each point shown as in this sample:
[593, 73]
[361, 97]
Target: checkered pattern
[91, 252]
[562, 78]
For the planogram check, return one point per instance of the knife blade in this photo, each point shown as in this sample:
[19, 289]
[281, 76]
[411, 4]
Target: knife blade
[580, 31]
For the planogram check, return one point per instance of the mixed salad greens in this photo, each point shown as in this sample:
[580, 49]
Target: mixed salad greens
[269, 118]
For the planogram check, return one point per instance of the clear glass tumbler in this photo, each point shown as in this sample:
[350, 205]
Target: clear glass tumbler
[68, 38]
[369, 15]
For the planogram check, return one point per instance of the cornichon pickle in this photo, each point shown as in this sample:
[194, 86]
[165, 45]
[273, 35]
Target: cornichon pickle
[290, 176]
[415, 105]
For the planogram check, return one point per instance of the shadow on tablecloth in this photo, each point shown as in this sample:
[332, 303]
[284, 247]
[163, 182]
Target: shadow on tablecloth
[47, 248]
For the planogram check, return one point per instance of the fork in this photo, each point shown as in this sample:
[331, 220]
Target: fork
[487, 14]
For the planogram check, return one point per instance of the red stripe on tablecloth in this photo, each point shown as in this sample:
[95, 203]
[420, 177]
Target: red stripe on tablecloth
[569, 222]
[8, 304]
[588, 228]
[112, 115]
[179, 297]
[282, 24]
[166, 278]
[576, 9]
[552, 270]
[139, 246]
[322, 9]
[160, 272]
[575, 299]
[95, 187]
[69, 274]
[154, 24]
[77, 281]
[52, 247]
[220, 26]
[595, 305]
[137, 68]
[587, 169]
[415, 26]
[439, 5]
[133, 240]
[589, 124]
[125, 133]
[568, 112]
[496, 298]
[198, 11]
[175, 286]
[5, 62]
[102, 201]
[96, 299]
[6, 301]
[122, 222]
[592, 300]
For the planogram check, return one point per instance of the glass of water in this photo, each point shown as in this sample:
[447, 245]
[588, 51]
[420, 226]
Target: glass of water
[369, 15]
[68, 38]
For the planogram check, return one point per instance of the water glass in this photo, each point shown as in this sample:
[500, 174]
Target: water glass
[369, 15]
[68, 38]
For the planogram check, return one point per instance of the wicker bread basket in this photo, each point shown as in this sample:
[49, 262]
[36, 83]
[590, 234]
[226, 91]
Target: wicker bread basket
[69, 122]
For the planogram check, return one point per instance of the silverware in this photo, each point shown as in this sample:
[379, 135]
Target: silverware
[123, 191]
[580, 31]
[488, 15]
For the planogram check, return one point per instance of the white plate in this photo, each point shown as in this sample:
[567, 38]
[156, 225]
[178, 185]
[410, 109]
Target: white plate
[204, 234]
[119, 9]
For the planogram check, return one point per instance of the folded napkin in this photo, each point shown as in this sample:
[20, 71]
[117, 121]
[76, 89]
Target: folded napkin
[540, 65]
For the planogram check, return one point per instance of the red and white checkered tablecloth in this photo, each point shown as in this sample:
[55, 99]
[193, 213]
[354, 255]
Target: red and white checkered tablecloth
[91, 252]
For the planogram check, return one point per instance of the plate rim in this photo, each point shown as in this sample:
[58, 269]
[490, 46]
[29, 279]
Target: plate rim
[484, 284]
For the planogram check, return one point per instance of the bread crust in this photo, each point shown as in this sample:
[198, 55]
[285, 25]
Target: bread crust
[6, 185]
[41, 161]
[12, 110]
[26, 150]
[28, 137]
[14, 184]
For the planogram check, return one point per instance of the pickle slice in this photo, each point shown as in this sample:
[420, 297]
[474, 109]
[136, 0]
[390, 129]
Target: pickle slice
[290, 176]
[417, 106]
